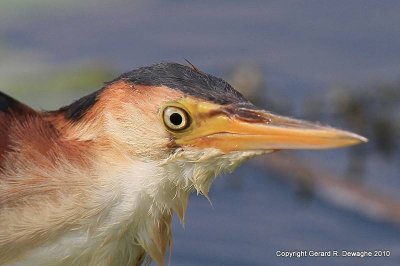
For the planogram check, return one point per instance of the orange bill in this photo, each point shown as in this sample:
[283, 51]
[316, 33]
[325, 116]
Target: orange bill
[242, 128]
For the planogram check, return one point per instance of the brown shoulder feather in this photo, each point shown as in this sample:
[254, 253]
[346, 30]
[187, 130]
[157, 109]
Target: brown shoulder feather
[10, 105]
[10, 111]
[41, 179]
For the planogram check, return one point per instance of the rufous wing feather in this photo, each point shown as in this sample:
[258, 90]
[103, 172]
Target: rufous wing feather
[10, 111]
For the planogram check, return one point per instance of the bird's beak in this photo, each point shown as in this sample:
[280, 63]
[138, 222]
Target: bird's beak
[235, 128]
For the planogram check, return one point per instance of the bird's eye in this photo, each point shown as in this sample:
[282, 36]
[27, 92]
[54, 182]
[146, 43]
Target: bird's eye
[176, 118]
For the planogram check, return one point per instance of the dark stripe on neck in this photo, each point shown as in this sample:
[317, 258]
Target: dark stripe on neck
[79, 108]
[7, 103]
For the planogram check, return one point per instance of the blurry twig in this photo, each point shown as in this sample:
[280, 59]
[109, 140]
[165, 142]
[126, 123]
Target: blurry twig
[339, 191]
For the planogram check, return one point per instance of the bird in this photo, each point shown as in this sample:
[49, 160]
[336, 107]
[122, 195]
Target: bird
[98, 181]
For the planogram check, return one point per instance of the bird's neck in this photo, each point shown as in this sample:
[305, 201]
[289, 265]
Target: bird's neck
[144, 197]
[147, 192]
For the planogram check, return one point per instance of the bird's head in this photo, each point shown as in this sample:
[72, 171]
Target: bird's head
[193, 124]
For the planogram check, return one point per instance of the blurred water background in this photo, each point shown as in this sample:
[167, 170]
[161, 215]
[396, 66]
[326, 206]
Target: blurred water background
[337, 62]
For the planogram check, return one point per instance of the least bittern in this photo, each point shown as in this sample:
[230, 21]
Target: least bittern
[97, 182]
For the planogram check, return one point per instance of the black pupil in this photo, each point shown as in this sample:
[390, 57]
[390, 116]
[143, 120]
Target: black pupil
[176, 119]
